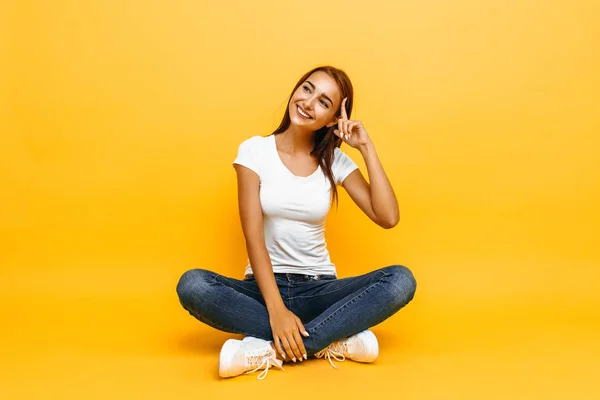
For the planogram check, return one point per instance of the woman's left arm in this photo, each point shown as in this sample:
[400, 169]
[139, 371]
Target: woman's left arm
[377, 199]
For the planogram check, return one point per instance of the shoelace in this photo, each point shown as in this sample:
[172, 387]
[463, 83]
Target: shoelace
[265, 360]
[335, 350]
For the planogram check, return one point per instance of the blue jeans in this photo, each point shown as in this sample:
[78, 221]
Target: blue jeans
[330, 309]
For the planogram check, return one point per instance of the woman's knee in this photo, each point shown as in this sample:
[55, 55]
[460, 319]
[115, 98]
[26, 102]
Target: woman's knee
[191, 284]
[403, 282]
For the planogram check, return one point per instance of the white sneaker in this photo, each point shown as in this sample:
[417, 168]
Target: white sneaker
[247, 356]
[362, 347]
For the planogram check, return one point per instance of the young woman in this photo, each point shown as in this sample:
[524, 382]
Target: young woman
[291, 305]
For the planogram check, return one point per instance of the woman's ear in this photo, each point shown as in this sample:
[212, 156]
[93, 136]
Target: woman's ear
[333, 122]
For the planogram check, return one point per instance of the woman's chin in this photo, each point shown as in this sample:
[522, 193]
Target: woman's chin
[295, 120]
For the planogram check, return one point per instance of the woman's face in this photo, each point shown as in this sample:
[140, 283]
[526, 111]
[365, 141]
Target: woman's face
[315, 102]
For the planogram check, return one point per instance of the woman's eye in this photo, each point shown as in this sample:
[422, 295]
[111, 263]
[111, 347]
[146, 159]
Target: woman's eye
[324, 104]
[306, 88]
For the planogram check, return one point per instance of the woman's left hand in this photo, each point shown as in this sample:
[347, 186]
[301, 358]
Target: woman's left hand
[352, 132]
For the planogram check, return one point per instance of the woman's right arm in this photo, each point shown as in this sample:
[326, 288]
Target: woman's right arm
[286, 326]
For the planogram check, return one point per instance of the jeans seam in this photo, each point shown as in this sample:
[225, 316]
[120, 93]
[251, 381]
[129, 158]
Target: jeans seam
[235, 284]
[213, 324]
[345, 305]
[332, 291]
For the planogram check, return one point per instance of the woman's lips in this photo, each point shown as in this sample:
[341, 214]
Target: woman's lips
[301, 116]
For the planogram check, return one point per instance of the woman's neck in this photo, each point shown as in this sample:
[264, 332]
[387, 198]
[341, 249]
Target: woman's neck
[294, 141]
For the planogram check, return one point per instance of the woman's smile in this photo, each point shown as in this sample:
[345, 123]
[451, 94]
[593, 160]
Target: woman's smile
[302, 113]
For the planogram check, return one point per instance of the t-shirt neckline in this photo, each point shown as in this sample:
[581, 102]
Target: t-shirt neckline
[286, 168]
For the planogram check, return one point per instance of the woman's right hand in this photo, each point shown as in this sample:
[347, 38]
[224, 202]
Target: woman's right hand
[287, 328]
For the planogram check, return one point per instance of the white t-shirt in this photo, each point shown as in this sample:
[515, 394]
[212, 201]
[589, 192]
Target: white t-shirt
[294, 208]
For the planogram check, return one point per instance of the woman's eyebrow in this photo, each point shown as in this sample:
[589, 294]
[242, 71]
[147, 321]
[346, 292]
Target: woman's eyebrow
[323, 94]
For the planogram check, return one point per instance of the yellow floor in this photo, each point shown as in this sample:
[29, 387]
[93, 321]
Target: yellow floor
[85, 332]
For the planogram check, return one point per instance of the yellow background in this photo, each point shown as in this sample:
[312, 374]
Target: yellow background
[119, 123]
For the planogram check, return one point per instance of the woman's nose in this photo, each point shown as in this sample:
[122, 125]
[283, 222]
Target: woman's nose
[309, 102]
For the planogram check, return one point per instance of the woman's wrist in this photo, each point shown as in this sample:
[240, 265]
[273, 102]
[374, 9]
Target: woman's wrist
[366, 148]
[275, 305]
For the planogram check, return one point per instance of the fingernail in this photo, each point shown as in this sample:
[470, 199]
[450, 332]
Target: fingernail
[306, 358]
[306, 333]
[294, 359]
[283, 355]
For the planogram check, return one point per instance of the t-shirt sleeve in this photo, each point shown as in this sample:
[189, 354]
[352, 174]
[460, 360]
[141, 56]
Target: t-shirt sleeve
[342, 166]
[247, 156]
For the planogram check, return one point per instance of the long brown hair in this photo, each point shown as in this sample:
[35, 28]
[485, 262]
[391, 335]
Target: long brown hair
[325, 139]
